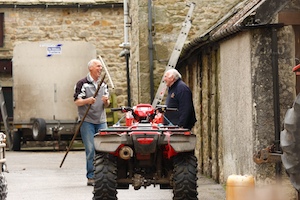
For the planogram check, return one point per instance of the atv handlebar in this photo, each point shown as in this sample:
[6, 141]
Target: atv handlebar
[159, 108]
[163, 109]
[144, 112]
[122, 108]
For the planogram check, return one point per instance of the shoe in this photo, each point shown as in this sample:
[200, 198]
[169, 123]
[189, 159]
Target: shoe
[90, 182]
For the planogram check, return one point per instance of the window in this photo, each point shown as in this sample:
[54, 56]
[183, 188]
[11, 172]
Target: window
[6, 67]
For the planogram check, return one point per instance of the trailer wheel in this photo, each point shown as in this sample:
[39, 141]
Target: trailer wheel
[289, 142]
[16, 141]
[3, 187]
[185, 177]
[39, 129]
[105, 173]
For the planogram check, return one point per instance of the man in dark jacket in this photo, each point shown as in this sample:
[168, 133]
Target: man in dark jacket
[180, 97]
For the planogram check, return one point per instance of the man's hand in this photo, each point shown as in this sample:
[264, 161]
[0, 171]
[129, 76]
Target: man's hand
[91, 100]
[81, 102]
[105, 100]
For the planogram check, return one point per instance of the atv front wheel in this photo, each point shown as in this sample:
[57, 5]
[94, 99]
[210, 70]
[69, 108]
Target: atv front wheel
[185, 177]
[105, 174]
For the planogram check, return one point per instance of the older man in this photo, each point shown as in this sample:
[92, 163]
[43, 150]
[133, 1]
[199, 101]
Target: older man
[96, 116]
[180, 97]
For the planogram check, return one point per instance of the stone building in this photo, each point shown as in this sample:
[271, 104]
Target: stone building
[239, 67]
[237, 59]
[98, 23]
[241, 74]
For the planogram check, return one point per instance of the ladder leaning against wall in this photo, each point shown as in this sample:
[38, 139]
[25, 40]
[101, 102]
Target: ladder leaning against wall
[175, 54]
[5, 118]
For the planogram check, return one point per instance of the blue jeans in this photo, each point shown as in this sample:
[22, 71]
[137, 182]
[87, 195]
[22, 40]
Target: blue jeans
[88, 130]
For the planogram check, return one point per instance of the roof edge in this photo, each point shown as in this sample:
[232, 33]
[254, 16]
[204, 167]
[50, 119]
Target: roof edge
[241, 17]
[89, 5]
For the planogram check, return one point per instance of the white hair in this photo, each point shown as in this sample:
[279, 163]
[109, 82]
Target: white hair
[91, 62]
[174, 73]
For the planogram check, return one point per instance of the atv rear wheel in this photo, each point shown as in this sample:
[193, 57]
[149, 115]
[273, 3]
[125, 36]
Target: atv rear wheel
[185, 177]
[105, 174]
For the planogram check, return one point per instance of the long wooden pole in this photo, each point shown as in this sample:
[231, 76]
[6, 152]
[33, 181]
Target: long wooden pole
[81, 121]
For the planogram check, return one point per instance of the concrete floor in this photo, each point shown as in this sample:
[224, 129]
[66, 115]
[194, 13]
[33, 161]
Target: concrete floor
[35, 175]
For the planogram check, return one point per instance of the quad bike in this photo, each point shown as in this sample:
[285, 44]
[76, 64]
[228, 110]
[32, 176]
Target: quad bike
[145, 152]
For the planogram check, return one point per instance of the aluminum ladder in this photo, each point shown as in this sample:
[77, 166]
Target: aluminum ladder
[175, 54]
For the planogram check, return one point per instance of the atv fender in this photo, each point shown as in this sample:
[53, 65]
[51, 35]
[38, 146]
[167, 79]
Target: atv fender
[181, 142]
[109, 142]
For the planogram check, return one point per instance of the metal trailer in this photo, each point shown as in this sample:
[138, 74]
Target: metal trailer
[44, 76]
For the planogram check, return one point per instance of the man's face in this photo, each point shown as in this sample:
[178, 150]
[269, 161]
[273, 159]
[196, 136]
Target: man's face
[96, 69]
[169, 79]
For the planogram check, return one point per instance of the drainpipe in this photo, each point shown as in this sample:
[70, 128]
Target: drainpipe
[126, 47]
[276, 96]
[128, 79]
[150, 47]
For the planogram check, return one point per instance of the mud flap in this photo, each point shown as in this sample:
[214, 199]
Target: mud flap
[110, 142]
[181, 142]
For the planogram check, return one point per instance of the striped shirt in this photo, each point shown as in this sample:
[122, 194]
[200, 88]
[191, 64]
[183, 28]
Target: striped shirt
[86, 88]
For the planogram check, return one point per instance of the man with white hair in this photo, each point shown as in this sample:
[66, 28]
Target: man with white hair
[96, 117]
[180, 97]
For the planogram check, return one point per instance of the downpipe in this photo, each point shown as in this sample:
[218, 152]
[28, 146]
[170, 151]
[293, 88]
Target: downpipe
[276, 96]
[126, 48]
[150, 48]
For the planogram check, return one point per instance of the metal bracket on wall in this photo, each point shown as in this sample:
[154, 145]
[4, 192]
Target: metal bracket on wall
[267, 155]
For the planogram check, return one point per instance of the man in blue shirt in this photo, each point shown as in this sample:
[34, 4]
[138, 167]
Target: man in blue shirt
[180, 97]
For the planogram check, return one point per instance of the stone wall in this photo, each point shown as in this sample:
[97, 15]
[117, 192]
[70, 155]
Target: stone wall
[263, 96]
[167, 17]
[249, 88]
[103, 27]
[232, 84]
[236, 105]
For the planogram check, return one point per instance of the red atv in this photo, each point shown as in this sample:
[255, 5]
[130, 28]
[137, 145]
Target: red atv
[143, 153]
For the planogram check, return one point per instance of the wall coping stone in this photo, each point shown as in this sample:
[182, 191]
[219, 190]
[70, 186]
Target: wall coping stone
[55, 2]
